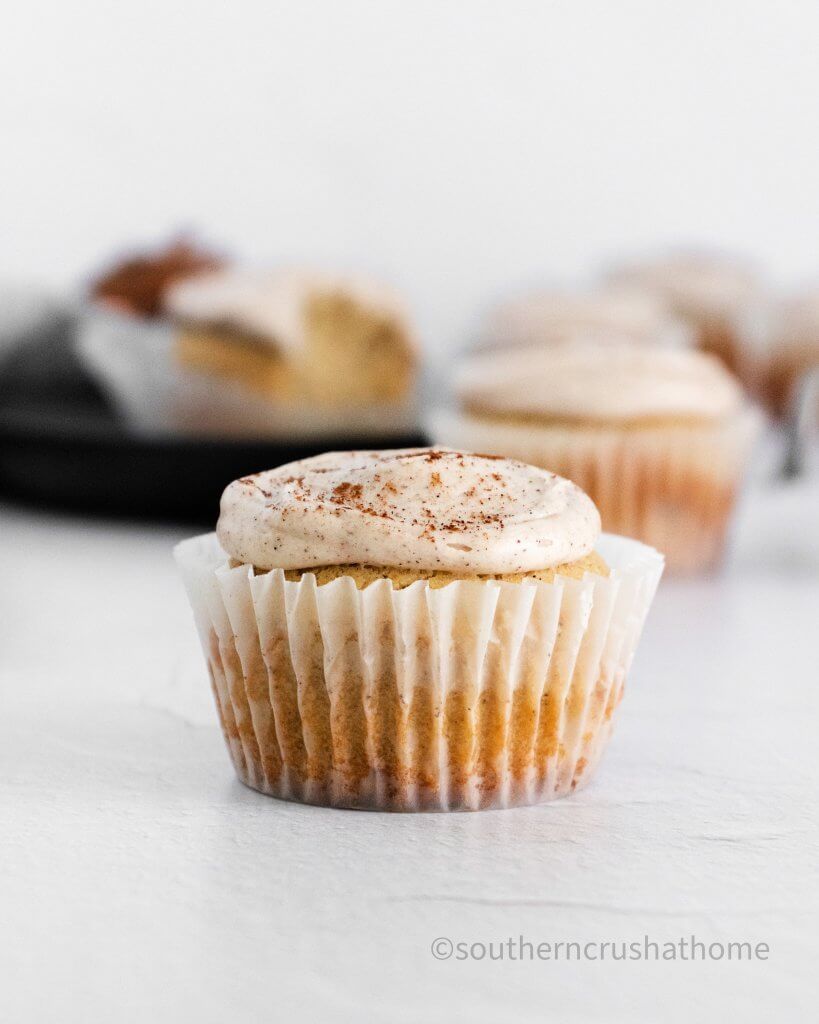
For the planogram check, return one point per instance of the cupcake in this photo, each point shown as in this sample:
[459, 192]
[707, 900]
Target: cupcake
[721, 297]
[418, 629]
[659, 438]
[617, 313]
[793, 352]
[297, 336]
[290, 357]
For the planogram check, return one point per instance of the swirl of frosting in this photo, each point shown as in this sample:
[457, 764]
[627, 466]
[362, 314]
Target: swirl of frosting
[414, 508]
[617, 314]
[599, 383]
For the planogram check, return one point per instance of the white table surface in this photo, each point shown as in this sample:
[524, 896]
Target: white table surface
[140, 882]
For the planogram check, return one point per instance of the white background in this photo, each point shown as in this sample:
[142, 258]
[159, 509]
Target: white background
[458, 148]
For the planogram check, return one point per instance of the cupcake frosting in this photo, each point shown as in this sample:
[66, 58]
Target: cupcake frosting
[615, 313]
[599, 382]
[271, 305]
[415, 508]
[696, 283]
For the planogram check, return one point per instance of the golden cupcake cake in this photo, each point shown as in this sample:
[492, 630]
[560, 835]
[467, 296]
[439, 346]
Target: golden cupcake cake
[659, 438]
[722, 297]
[417, 629]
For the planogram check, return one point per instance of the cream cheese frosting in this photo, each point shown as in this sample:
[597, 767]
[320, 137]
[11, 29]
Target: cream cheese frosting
[614, 313]
[268, 305]
[599, 383]
[414, 508]
[696, 284]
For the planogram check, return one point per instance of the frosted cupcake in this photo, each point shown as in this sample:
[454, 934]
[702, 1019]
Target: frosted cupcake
[415, 629]
[722, 298]
[658, 438]
[289, 356]
[616, 313]
[296, 336]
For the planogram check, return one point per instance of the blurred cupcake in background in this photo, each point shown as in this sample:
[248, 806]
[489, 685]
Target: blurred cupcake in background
[659, 438]
[184, 343]
[793, 351]
[138, 284]
[297, 336]
[722, 297]
[615, 312]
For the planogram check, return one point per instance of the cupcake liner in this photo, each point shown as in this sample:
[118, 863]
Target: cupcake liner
[135, 361]
[474, 695]
[673, 487]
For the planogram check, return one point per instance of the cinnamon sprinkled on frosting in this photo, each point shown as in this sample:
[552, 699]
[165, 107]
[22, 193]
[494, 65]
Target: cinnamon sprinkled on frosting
[415, 508]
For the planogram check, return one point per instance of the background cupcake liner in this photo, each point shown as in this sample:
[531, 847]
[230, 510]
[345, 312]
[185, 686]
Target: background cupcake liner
[135, 362]
[478, 694]
[673, 487]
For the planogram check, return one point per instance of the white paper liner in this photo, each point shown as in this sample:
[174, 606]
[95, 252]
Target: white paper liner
[134, 361]
[474, 695]
[673, 487]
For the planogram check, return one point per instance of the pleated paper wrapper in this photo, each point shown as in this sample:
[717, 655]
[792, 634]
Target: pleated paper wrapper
[477, 694]
[673, 487]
